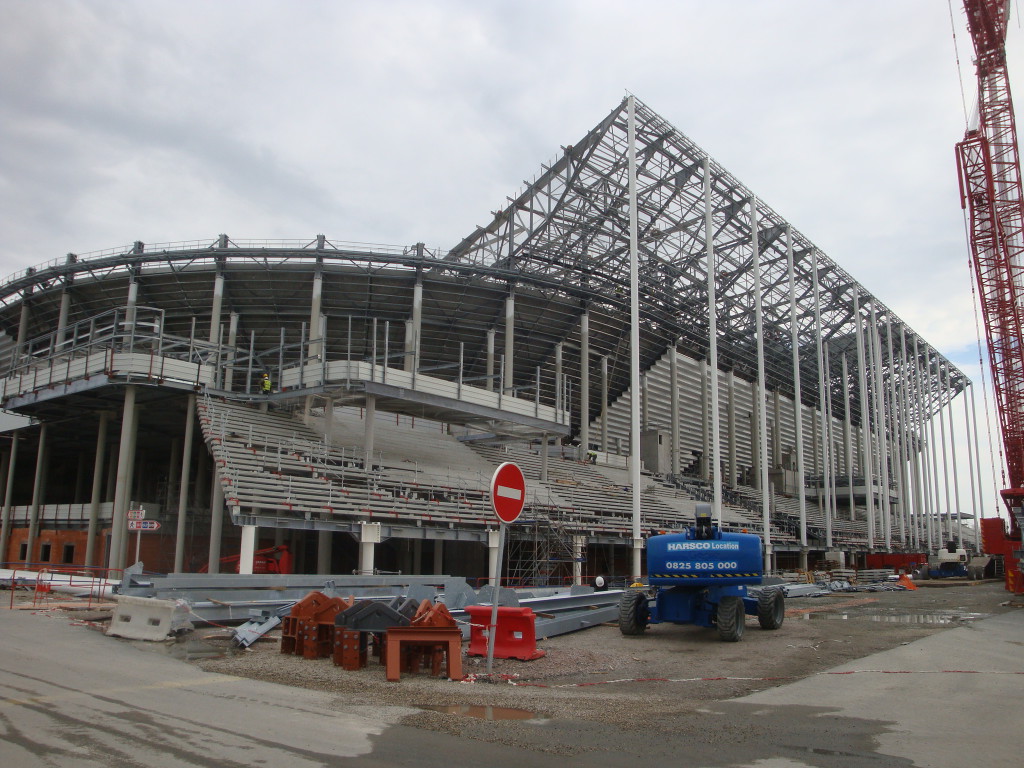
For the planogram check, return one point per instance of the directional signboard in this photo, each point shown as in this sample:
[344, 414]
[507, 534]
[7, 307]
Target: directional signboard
[143, 525]
[508, 492]
[136, 514]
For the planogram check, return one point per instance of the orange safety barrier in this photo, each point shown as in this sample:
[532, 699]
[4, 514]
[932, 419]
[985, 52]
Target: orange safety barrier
[515, 636]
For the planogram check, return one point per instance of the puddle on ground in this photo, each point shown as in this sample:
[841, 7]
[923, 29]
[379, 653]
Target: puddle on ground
[903, 618]
[193, 649]
[482, 712]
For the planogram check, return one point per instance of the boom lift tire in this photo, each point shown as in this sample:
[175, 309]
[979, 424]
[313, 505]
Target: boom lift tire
[634, 613]
[730, 619]
[771, 608]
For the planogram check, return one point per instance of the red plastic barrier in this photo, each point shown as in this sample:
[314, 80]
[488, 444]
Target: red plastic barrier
[515, 636]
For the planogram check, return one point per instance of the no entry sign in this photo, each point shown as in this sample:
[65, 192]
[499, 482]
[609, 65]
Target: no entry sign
[508, 492]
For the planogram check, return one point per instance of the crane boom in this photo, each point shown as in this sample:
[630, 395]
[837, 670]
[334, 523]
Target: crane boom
[990, 190]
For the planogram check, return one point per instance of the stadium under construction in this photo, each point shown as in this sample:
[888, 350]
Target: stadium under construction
[399, 377]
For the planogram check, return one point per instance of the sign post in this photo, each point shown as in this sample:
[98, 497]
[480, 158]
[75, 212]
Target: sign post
[508, 496]
[137, 522]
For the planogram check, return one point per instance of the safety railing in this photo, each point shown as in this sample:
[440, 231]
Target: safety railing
[92, 582]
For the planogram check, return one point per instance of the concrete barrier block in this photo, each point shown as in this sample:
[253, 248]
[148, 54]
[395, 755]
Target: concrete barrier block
[146, 618]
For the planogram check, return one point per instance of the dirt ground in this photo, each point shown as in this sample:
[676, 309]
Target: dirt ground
[602, 677]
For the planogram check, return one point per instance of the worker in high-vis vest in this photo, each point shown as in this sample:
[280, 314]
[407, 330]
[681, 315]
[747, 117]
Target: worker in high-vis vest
[265, 384]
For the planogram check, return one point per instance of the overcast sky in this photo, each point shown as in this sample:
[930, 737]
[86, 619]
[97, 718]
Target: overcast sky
[397, 122]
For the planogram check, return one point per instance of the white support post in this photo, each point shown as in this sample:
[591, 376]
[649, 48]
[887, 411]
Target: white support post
[369, 538]
[761, 394]
[865, 423]
[634, 340]
[183, 484]
[247, 551]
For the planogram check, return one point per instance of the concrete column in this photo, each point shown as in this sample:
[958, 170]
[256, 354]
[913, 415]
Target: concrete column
[604, 403]
[438, 556]
[673, 398]
[97, 487]
[247, 551]
[578, 545]
[23, 332]
[329, 421]
[794, 330]
[218, 301]
[490, 359]
[370, 416]
[848, 436]
[38, 490]
[492, 553]
[414, 329]
[62, 320]
[508, 371]
[544, 458]
[369, 538]
[324, 546]
[216, 521]
[229, 369]
[315, 345]
[5, 521]
[122, 483]
[183, 483]
[584, 385]
[730, 412]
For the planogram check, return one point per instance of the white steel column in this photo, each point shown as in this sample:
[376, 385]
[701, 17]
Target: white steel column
[218, 300]
[490, 359]
[761, 394]
[730, 416]
[370, 415]
[5, 515]
[705, 424]
[122, 483]
[946, 468]
[798, 409]
[584, 386]
[935, 535]
[185, 477]
[673, 394]
[716, 416]
[97, 486]
[634, 340]
[865, 423]
[38, 490]
[508, 368]
[953, 467]
[980, 506]
[604, 403]
[822, 399]
[970, 462]
[880, 436]
[848, 436]
[216, 520]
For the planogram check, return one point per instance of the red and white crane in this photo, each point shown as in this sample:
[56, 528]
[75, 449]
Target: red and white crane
[990, 188]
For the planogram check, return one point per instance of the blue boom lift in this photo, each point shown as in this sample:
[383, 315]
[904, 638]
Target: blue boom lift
[700, 576]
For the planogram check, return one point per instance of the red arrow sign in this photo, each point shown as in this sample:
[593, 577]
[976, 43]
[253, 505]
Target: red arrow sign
[508, 492]
[143, 525]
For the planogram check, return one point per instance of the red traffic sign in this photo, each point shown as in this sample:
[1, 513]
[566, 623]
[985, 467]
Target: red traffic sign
[143, 525]
[136, 514]
[508, 492]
